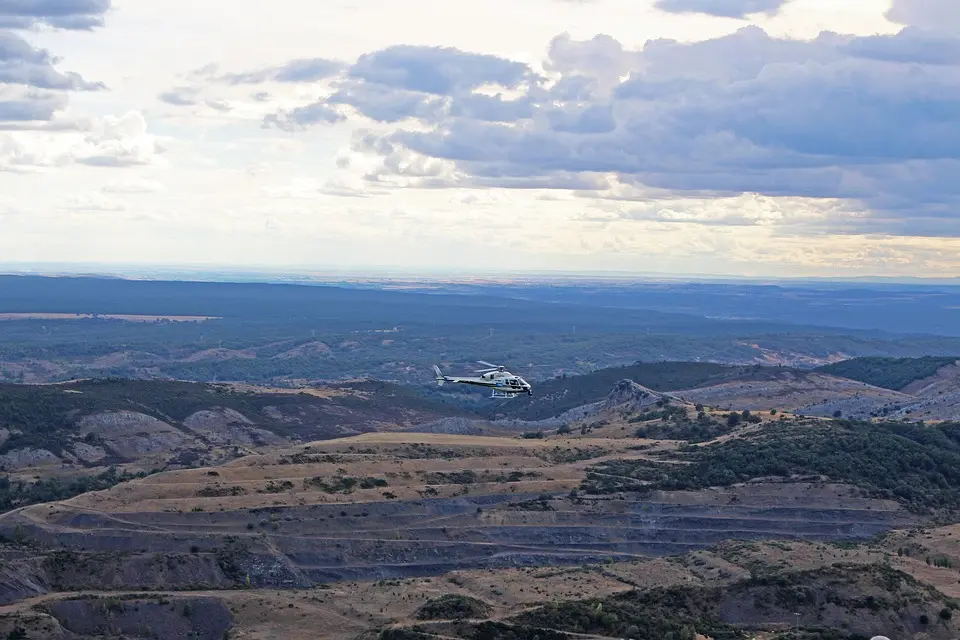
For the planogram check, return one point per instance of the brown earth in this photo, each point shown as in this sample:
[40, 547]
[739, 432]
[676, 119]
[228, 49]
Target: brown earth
[354, 534]
[347, 609]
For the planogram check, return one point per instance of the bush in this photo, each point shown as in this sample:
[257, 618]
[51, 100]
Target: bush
[453, 607]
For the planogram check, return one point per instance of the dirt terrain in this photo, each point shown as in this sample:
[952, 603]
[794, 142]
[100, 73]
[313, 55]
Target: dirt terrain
[350, 609]
[541, 527]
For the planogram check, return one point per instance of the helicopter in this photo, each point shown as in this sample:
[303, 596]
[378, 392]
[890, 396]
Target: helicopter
[503, 383]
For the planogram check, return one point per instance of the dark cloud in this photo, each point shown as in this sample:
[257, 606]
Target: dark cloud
[180, 96]
[60, 14]
[302, 117]
[296, 71]
[911, 45]
[932, 15]
[721, 8]
[26, 105]
[32, 89]
[424, 83]
[872, 121]
[436, 70]
[302, 70]
[385, 104]
[20, 63]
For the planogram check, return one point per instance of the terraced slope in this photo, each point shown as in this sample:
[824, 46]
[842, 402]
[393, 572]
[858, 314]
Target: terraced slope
[395, 505]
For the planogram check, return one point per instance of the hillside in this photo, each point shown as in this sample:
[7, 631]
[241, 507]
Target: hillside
[911, 389]
[888, 373]
[399, 506]
[806, 393]
[628, 514]
[756, 388]
[73, 436]
[554, 397]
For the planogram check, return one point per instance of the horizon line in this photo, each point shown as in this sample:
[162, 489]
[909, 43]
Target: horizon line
[305, 274]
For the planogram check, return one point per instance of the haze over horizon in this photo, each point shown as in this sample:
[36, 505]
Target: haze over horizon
[761, 138]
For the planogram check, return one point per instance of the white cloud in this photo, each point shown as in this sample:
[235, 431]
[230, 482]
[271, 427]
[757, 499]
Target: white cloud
[120, 141]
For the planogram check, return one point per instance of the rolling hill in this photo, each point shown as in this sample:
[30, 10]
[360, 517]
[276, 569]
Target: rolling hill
[586, 528]
[926, 389]
[64, 439]
[245, 512]
[889, 373]
[58, 329]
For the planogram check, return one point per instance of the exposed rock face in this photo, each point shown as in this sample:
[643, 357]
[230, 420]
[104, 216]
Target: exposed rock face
[628, 394]
[89, 453]
[29, 457]
[213, 418]
[21, 579]
[131, 434]
[453, 426]
[226, 426]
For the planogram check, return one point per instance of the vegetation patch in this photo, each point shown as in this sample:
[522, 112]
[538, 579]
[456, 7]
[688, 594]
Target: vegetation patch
[678, 612]
[471, 477]
[221, 492]
[674, 424]
[453, 607]
[18, 493]
[343, 484]
[888, 373]
[915, 465]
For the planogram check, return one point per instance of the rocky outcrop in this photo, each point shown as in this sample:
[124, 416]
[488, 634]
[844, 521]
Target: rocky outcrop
[222, 426]
[629, 395]
[132, 435]
[27, 457]
[452, 426]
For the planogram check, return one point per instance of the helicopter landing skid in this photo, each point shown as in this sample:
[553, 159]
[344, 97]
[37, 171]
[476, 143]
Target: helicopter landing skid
[502, 395]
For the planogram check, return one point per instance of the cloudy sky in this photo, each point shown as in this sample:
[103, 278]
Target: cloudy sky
[750, 137]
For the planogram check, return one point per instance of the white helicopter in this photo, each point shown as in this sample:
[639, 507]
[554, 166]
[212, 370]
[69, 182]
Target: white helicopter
[503, 383]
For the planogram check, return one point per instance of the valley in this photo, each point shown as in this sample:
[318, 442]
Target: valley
[632, 501]
[302, 335]
[176, 461]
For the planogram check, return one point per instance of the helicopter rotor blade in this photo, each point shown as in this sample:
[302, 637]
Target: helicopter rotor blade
[487, 364]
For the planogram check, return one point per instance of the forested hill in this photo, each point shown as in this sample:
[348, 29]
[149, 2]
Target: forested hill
[888, 373]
